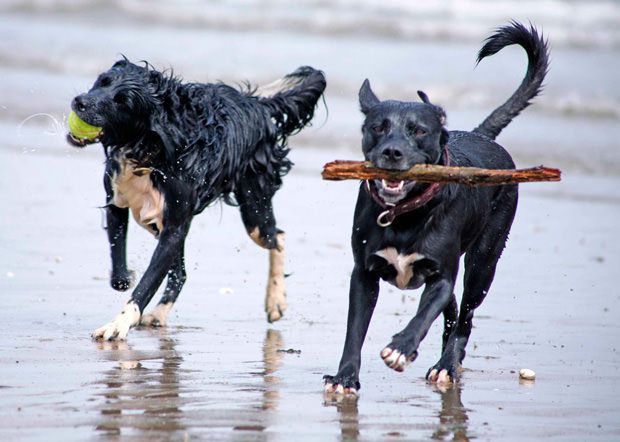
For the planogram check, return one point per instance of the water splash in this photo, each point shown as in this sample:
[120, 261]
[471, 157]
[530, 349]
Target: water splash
[56, 128]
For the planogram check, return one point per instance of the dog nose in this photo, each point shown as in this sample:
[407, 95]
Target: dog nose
[79, 103]
[392, 153]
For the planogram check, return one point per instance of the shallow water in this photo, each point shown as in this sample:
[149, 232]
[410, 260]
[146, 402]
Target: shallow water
[216, 373]
[219, 371]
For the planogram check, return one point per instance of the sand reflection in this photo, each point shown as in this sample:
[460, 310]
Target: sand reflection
[452, 416]
[142, 393]
[272, 359]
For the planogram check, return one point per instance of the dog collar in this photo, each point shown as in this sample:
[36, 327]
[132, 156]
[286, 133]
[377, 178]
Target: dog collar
[391, 211]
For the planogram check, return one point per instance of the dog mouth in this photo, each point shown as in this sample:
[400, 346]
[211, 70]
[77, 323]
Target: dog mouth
[393, 191]
[82, 142]
[82, 132]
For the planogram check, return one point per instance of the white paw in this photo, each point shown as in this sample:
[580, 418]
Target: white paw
[158, 316]
[338, 389]
[439, 377]
[117, 329]
[394, 359]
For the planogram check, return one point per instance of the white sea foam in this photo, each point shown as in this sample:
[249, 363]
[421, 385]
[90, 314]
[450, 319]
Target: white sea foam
[572, 22]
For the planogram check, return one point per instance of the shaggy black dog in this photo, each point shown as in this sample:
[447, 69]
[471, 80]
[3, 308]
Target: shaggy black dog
[172, 149]
[411, 234]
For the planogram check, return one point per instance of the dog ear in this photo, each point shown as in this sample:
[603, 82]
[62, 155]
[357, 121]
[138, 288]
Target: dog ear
[424, 97]
[438, 109]
[441, 114]
[166, 138]
[367, 97]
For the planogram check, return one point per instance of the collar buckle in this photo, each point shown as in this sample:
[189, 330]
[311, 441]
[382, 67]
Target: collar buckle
[385, 215]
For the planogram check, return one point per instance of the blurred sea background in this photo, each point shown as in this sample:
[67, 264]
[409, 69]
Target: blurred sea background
[51, 50]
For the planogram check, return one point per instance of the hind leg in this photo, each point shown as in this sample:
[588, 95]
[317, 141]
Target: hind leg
[480, 264]
[450, 316]
[176, 279]
[260, 223]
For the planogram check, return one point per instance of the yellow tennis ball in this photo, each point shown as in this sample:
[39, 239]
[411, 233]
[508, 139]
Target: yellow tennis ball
[81, 129]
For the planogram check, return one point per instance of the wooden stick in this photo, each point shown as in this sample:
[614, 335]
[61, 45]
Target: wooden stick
[427, 173]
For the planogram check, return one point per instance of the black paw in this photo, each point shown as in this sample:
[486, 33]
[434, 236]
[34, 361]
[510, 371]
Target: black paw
[122, 282]
[399, 353]
[445, 372]
[341, 384]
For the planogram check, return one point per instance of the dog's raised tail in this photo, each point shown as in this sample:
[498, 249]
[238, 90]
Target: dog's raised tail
[292, 99]
[538, 64]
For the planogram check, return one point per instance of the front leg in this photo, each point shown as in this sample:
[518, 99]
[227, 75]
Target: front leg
[363, 294]
[177, 220]
[167, 249]
[117, 219]
[404, 346]
[116, 227]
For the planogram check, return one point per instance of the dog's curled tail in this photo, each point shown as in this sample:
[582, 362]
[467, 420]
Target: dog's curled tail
[292, 99]
[538, 64]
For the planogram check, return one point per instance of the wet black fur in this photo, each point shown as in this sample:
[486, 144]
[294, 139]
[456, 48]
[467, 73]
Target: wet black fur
[474, 221]
[204, 142]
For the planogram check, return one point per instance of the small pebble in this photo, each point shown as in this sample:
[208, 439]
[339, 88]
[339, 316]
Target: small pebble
[226, 291]
[526, 373]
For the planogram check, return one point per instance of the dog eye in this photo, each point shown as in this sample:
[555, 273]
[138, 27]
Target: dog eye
[105, 81]
[380, 128]
[120, 98]
[415, 130]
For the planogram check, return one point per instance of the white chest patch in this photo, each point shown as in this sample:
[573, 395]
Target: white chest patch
[402, 264]
[134, 189]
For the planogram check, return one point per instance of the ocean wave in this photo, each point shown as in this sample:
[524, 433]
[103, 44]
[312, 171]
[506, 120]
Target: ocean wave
[571, 103]
[577, 23]
[46, 6]
[573, 23]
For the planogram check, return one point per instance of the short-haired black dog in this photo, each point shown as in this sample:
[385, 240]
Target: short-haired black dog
[172, 149]
[410, 233]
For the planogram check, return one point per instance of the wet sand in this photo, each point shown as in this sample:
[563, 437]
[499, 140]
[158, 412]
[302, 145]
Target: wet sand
[219, 371]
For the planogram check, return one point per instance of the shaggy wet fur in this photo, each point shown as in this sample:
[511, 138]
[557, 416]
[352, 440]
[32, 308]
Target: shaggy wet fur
[196, 143]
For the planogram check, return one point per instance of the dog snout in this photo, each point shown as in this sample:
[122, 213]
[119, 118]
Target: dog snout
[392, 153]
[397, 156]
[80, 103]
